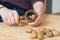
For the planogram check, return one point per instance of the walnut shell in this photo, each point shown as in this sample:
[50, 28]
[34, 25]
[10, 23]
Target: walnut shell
[29, 30]
[40, 37]
[33, 35]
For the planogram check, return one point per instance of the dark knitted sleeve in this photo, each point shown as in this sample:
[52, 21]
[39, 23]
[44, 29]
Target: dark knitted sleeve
[33, 1]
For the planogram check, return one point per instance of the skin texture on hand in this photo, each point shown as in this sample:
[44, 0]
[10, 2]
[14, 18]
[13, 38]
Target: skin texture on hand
[10, 17]
[38, 8]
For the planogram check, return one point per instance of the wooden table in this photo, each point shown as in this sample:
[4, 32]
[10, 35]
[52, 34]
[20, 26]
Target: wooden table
[18, 33]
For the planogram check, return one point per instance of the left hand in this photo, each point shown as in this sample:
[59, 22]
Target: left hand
[39, 9]
[37, 21]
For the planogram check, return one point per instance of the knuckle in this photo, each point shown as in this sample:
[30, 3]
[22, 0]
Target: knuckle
[14, 11]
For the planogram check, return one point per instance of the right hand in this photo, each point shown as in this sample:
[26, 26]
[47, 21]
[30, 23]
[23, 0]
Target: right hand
[10, 17]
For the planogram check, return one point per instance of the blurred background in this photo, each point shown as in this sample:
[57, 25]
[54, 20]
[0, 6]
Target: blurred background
[52, 6]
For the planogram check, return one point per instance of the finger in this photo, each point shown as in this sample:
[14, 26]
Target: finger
[9, 20]
[12, 18]
[39, 19]
[32, 23]
[19, 24]
[36, 22]
[5, 20]
[16, 17]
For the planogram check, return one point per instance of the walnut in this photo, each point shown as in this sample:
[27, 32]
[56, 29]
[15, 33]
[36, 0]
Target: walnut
[33, 35]
[29, 30]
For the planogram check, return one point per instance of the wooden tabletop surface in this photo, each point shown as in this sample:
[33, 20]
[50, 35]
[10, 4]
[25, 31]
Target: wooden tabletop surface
[18, 33]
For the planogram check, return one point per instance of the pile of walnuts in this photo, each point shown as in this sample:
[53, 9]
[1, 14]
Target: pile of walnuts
[42, 33]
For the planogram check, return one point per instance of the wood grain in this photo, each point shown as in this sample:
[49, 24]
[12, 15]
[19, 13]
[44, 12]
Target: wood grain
[18, 33]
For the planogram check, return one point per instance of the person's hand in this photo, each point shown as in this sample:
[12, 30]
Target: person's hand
[10, 17]
[37, 21]
[39, 9]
